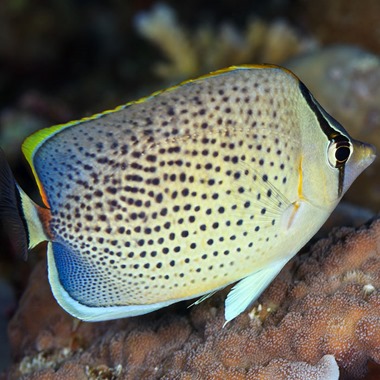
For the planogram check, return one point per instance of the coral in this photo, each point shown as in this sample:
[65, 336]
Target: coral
[193, 52]
[322, 311]
[325, 369]
[346, 81]
[161, 28]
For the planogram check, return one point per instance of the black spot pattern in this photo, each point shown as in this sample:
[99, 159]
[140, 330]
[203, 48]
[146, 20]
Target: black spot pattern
[181, 193]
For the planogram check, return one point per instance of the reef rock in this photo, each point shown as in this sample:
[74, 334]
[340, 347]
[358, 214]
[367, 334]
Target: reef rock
[343, 21]
[319, 319]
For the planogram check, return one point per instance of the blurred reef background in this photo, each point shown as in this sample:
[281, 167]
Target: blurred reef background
[62, 60]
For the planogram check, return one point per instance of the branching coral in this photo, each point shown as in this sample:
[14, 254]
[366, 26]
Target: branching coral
[321, 312]
[190, 53]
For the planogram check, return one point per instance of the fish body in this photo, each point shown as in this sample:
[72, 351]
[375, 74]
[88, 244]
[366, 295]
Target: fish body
[175, 196]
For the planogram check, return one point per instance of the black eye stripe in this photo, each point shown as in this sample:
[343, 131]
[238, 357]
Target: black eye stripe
[324, 119]
[325, 122]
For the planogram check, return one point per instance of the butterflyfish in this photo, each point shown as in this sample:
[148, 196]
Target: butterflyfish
[217, 180]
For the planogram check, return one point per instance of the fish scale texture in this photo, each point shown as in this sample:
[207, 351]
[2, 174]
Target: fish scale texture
[177, 195]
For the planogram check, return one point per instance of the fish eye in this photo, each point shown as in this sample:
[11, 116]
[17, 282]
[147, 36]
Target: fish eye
[339, 152]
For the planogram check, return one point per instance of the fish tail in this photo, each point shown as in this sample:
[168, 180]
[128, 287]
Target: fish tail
[25, 221]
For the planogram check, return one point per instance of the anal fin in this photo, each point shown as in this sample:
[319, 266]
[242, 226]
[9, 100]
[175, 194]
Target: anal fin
[247, 290]
[79, 288]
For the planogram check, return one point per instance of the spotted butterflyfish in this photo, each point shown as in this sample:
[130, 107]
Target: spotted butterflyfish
[218, 180]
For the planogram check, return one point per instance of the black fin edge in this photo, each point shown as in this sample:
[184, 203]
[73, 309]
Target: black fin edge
[11, 212]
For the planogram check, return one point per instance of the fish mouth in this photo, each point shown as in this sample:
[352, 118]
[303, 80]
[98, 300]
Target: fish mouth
[363, 155]
[366, 154]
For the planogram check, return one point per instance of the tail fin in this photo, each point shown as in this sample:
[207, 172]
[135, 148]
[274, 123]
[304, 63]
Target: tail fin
[21, 217]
